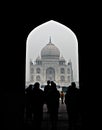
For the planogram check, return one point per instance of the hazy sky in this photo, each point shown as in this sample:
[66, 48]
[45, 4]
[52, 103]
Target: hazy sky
[61, 36]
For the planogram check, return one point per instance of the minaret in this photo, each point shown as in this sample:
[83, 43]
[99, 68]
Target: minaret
[71, 71]
[70, 64]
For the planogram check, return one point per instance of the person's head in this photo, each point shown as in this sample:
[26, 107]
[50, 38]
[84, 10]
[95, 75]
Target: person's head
[69, 87]
[36, 85]
[48, 82]
[73, 84]
[53, 85]
[30, 86]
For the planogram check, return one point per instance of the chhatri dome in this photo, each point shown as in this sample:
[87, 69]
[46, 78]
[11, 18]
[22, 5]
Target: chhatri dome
[50, 51]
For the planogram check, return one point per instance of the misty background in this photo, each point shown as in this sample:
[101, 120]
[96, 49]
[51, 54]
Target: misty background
[61, 36]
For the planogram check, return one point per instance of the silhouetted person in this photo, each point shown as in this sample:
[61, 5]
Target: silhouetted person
[62, 97]
[37, 105]
[47, 87]
[46, 90]
[53, 104]
[28, 95]
[72, 105]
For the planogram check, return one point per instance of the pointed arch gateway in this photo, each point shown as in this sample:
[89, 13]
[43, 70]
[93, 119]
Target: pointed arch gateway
[50, 74]
[56, 40]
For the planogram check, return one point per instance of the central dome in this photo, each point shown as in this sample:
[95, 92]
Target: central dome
[50, 51]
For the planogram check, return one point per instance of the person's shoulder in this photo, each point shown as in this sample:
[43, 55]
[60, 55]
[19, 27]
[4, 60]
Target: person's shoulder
[58, 92]
[66, 94]
[77, 90]
[41, 91]
[45, 86]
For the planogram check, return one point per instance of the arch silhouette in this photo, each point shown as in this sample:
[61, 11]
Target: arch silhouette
[39, 37]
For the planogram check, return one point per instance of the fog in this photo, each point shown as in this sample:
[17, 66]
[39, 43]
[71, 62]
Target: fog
[61, 36]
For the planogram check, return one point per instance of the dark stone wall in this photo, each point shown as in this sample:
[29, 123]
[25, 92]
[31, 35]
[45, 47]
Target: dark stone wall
[14, 66]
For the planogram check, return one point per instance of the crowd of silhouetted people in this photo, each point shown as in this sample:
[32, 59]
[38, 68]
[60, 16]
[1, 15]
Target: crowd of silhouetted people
[36, 98]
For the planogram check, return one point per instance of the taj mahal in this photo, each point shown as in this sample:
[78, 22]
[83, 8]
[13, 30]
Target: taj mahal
[51, 66]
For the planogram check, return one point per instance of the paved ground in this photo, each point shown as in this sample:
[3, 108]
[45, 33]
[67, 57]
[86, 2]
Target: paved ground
[62, 119]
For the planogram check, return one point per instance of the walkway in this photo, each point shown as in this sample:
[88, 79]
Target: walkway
[62, 119]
